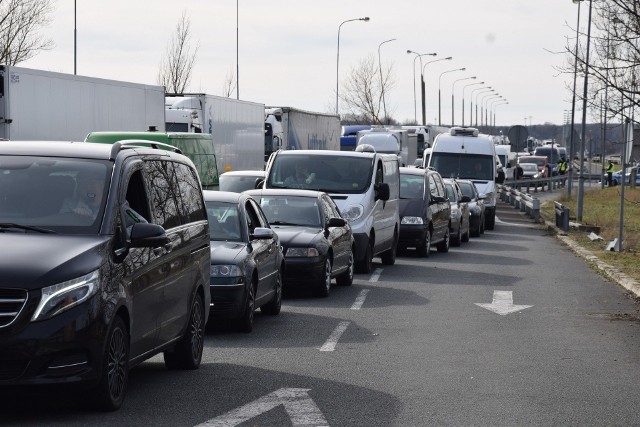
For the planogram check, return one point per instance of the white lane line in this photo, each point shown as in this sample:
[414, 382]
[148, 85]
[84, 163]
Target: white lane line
[375, 275]
[330, 344]
[357, 305]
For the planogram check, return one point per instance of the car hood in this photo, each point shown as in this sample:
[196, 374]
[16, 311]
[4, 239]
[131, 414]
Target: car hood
[227, 252]
[410, 207]
[297, 236]
[32, 261]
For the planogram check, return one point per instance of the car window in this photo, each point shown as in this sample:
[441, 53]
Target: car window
[165, 200]
[264, 222]
[433, 188]
[439, 185]
[190, 193]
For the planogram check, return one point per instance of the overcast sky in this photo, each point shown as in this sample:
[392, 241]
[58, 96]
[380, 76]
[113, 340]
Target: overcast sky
[288, 49]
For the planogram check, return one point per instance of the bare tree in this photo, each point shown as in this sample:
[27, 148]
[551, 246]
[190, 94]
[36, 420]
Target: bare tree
[176, 67]
[362, 92]
[230, 84]
[20, 21]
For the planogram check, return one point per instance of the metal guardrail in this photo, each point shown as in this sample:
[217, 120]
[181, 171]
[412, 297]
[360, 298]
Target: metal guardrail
[540, 184]
[562, 216]
[519, 200]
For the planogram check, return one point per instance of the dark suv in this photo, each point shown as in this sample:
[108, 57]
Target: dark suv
[425, 211]
[105, 263]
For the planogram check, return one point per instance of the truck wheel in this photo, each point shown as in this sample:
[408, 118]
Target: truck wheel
[389, 256]
[490, 221]
[366, 265]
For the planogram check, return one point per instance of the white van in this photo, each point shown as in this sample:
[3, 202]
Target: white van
[390, 141]
[464, 153]
[364, 185]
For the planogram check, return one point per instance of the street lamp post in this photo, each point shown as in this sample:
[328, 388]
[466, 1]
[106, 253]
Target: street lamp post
[491, 111]
[573, 108]
[485, 103]
[494, 111]
[471, 103]
[463, 89]
[415, 108]
[486, 92]
[424, 110]
[384, 104]
[440, 93]
[584, 116]
[453, 86]
[365, 19]
[75, 39]
[237, 52]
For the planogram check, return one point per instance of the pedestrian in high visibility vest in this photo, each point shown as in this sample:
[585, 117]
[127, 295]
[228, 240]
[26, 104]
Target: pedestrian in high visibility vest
[610, 173]
[563, 167]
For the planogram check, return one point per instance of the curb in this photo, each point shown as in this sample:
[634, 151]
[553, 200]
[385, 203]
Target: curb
[612, 272]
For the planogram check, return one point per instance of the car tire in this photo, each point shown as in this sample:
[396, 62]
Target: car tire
[246, 321]
[444, 245]
[346, 278]
[490, 222]
[114, 372]
[425, 248]
[366, 265]
[388, 257]
[187, 354]
[482, 220]
[274, 306]
[465, 236]
[457, 239]
[475, 232]
[324, 285]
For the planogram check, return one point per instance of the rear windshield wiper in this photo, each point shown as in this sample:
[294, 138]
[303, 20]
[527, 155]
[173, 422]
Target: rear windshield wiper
[8, 225]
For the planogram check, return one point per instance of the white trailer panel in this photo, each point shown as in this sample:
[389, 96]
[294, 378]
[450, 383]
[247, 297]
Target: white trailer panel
[45, 105]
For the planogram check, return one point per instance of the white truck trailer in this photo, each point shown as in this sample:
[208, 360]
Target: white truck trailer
[44, 105]
[288, 128]
[237, 127]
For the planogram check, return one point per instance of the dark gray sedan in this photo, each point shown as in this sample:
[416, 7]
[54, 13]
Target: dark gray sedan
[246, 259]
[317, 242]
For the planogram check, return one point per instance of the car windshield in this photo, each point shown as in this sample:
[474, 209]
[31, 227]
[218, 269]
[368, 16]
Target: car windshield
[464, 166]
[529, 167]
[61, 194]
[224, 221]
[539, 161]
[328, 173]
[238, 183]
[291, 210]
[411, 186]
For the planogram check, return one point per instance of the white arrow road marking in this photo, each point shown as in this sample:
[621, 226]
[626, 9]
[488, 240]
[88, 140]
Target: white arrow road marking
[357, 305]
[296, 401]
[503, 303]
[331, 342]
[375, 275]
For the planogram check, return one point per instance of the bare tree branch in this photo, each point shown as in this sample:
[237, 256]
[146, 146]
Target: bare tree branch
[176, 67]
[230, 84]
[20, 22]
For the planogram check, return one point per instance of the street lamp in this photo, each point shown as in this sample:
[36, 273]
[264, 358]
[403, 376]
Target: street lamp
[471, 104]
[584, 116]
[453, 85]
[418, 55]
[237, 52]
[384, 104]
[494, 110]
[489, 90]
[365, 19]
[463, 89]
[75, 39]
[490, 106]
[485, 103]
[440, 92]
[424, 111]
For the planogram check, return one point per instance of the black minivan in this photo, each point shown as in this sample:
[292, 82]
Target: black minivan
[105, 263]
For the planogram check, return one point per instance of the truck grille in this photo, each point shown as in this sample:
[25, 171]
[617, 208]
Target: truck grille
[12, 301]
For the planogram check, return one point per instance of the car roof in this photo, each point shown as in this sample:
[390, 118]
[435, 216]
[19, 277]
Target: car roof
[71, 149]
[325, 153]
[283, 192]
[222, 196]
[413, 171]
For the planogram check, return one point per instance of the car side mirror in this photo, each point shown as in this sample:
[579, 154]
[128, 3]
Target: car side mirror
[260, 233]
[382, 192]
[336, 222]
[465, 199]
[438, 199]
[259, 183]
[145, 235]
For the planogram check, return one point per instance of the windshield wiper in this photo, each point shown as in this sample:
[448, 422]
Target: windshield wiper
[8, 225]
[281, 223]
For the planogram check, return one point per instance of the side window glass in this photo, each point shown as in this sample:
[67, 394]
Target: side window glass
[136, 204]
[440, 186]
[253, 220]
[191, 194]
[326, 209]
[164, 191]
[379, 173]
[262, 220]
[433, 189]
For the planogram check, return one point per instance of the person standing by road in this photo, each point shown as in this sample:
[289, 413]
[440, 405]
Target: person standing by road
[610, 173]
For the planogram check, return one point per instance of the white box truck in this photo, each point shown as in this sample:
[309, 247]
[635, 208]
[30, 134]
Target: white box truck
[237, 127]
[288, 128]
[44, 105]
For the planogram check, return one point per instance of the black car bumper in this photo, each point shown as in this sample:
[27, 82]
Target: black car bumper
[303, 271]
[227, 298]
[411, 235]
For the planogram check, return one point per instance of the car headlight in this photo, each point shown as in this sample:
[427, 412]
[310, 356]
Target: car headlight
[225, 271]
[58, 298]
[352, 212]
[302, 252]
[411, 220]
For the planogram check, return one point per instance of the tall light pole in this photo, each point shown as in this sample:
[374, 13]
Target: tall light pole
[365, 19]
[573, 108]
[418, 55]
[75, 40]
[424, 110]
[495, 107]
[490, 105]
[463, 89]
[471, 104]
[584, 116]
[440, 93]
[384, 104]
[485, 103]
[237, 51]
[453, 86]
[489, 90]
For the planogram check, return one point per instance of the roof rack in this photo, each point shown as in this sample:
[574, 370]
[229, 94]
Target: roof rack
[464, 131]
[141, 143]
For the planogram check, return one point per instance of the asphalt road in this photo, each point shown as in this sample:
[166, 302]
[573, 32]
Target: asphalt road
[407, 346]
